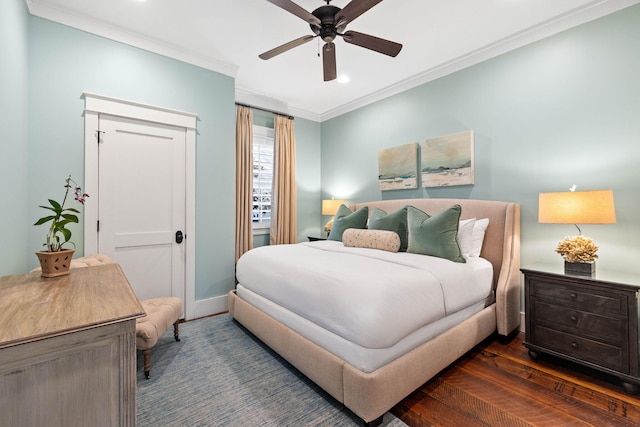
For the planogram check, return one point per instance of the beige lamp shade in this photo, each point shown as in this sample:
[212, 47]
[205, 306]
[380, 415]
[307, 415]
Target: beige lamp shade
[577, 207]
[330, 207]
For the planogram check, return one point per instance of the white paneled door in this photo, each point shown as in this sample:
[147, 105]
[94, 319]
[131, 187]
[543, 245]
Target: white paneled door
[141, 181]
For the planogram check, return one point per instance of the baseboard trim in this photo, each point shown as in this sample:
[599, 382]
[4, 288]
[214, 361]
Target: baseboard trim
[210, 306]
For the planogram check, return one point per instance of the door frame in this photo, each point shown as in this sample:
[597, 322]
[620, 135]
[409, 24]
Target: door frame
[100, 104]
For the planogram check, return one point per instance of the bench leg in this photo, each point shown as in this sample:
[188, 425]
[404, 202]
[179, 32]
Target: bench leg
[147, 352]
[176, 332]
[147, 362]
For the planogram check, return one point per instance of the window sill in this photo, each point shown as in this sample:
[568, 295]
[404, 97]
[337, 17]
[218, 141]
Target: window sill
[261, 231]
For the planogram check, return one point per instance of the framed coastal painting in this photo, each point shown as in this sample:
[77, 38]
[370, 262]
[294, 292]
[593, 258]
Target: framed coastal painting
[447, 160]
[398, 167]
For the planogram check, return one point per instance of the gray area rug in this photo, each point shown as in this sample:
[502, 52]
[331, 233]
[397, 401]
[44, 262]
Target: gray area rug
[219, 374]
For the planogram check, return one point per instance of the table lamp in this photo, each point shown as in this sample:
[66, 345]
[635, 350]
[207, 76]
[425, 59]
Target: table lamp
[577, 207]
[330, 207]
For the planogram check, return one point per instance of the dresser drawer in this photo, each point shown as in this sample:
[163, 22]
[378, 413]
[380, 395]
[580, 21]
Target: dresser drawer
[585, 298]
[610, 329]
[599, 353]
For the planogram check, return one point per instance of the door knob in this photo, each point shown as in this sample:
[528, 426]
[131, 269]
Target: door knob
[179, 236]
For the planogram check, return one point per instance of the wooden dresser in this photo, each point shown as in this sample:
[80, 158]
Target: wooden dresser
[67, 349]
[592, 321]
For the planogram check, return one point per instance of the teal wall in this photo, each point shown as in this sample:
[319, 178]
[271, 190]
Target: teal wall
[49, 66]
[308, 147]
[64, 63]
[562, 111]
[14, 27]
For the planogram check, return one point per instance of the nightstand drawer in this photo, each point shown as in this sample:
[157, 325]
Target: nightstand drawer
[584, 349]
[612, 330]
[585, 298]
[591, 320]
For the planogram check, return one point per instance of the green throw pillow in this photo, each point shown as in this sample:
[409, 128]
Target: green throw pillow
[395, 221]
[435, 235]
[346, 219]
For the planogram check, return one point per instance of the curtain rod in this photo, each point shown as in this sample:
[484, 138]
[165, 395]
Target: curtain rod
[265, 110]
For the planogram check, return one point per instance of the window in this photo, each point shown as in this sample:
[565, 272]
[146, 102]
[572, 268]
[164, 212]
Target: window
[262, 177]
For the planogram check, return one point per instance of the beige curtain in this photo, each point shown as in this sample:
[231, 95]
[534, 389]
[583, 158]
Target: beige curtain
[283, 195]
[244, 180]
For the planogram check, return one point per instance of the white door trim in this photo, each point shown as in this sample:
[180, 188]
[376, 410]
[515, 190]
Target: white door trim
[99, 104]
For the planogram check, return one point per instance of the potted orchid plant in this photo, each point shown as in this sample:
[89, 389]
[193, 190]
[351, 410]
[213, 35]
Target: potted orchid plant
[55, 260]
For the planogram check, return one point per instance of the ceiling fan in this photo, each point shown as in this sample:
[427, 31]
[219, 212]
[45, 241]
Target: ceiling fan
[327, 22]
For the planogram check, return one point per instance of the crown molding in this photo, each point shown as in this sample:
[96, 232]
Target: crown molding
[267, 102]
[593, 10]
[121, 35]
[582, 15]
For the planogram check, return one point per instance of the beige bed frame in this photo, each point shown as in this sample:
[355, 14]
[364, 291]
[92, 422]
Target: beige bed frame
[370, 395]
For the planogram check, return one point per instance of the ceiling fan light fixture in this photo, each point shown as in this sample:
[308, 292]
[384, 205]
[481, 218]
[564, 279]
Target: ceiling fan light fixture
[328, 37]
[344, 79]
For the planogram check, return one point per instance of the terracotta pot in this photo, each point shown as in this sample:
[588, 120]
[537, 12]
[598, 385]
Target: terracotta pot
[55, 264]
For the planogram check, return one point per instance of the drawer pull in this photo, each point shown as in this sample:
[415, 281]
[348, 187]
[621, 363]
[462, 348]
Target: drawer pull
[574, 318]
[574, 345]
[573, 295]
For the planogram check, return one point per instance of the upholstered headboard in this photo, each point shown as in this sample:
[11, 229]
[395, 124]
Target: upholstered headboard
[501, 245]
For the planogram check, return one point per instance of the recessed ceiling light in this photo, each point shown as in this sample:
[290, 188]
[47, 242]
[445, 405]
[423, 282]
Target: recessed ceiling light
[344, 79]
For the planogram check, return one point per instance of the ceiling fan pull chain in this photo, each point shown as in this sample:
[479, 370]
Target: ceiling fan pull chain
[318, 48]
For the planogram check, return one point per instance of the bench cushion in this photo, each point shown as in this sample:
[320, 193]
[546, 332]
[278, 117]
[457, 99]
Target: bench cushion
[91, 261]
[162, 313]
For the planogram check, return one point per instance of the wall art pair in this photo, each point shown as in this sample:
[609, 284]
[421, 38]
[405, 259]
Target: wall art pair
[444, 161]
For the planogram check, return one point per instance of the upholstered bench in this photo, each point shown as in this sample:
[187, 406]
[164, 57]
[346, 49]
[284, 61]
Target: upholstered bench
[87, 261]
[90, 261]
[161, 313]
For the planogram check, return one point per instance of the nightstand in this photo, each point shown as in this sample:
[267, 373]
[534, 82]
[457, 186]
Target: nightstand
[592, 321]
[315, 239]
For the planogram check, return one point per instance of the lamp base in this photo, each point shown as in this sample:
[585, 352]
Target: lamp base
[580, 268]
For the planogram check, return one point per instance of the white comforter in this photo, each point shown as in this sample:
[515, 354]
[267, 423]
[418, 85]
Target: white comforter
[370, 297]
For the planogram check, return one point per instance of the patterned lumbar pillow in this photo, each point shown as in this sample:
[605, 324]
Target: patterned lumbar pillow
[371, 239]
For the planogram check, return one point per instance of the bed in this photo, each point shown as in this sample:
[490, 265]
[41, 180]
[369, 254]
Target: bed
[369, 354]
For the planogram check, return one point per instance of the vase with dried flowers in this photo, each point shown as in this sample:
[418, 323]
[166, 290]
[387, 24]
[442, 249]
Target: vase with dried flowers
[55, 260]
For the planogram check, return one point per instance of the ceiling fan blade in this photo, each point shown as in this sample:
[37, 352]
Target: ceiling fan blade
[329, 61]
[291, 7]
[285, 47]
[354, 9]
[377, 44]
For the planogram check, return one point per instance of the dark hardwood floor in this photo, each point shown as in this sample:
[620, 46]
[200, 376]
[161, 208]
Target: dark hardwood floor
[497, 384]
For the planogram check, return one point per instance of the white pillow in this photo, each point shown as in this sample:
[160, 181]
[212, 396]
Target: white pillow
[477, 237]
[465, 236]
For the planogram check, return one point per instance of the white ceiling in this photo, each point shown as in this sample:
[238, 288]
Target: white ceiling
[439, 37]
